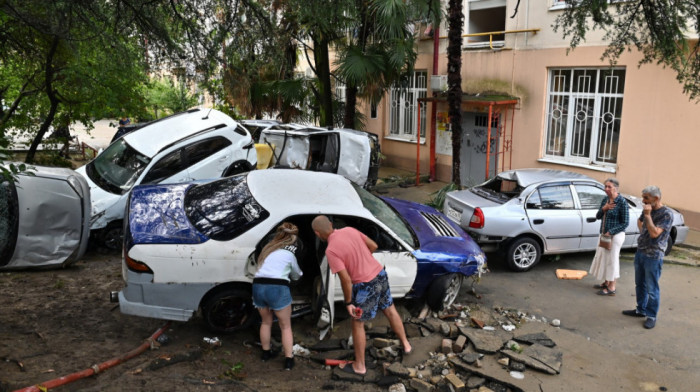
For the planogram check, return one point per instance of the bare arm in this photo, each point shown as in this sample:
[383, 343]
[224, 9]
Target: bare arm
[371, 244]
[346, 284]
[651, 228]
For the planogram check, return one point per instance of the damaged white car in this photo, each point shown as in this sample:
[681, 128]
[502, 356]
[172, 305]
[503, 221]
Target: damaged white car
[193, 145]
[44, 218]
[353, 154]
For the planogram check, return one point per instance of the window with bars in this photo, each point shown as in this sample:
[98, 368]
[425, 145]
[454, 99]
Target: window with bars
[404, 114]
[584, 107]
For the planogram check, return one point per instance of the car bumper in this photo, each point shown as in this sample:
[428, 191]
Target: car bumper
[159, 312]
[681, 234]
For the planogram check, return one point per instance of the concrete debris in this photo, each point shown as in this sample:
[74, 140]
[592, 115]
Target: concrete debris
[467, 353]
[556, 322]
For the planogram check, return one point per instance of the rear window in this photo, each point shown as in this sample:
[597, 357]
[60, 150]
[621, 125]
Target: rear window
[9, 220]
[498, 189]
[223, 209]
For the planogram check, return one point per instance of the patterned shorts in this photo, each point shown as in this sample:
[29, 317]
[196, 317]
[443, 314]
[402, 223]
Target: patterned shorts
[372, 296]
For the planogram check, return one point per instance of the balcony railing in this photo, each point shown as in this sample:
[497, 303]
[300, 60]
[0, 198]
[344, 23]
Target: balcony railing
[490, 34]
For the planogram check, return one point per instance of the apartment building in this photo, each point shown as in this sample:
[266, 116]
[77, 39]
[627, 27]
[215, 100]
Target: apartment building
[530, 102]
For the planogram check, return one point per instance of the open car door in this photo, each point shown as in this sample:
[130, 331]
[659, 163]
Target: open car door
[326, 297]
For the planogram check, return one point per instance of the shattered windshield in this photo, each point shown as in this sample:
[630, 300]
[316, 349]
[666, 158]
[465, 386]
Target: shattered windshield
[117, 168]
[387, 215]
[498, 189]
[224, 209]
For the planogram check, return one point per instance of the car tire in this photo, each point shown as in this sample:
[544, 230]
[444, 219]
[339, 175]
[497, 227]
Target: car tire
[238, 167]
[523, 253]
[671, 242]
[112, 236]
[229, 310]
[443, 291]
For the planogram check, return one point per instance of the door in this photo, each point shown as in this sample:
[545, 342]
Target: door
[551, 214]
[208, 158]
[589, 197]
[167, 170]
[475, 129]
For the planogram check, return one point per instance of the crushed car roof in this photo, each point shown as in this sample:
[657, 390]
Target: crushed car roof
[527, 177]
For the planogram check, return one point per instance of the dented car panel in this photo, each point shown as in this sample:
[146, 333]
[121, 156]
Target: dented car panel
[187, 243]
[45, 219]
[348, 152]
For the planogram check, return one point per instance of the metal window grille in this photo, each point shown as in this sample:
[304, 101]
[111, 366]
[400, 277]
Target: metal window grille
[583, 114]
[403, 118]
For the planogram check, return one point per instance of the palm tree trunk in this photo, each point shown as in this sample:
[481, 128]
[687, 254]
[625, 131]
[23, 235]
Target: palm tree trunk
[323, 72]
[454, 82]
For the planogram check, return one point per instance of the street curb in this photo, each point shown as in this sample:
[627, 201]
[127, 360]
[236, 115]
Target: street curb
[667, 260]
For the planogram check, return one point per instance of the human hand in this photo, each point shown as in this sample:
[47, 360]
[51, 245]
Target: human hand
[608, 206]
[354, 311]
[646, 209]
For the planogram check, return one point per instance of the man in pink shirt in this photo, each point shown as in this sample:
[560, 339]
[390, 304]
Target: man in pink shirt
[364, 282]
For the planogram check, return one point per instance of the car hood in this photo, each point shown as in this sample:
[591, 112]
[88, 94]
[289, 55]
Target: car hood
[437, 236]
[444, 248]
[157, 216]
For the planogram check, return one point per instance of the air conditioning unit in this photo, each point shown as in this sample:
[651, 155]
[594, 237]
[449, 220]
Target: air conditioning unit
[438, 82]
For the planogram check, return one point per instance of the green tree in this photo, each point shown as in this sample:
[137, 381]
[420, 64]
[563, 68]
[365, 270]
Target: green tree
[664, 31]
[165, 96]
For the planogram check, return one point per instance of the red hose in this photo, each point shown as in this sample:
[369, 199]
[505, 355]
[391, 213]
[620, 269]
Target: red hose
[94, 369]
[336, 362]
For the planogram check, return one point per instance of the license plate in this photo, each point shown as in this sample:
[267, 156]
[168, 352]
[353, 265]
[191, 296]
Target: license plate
[454, 214]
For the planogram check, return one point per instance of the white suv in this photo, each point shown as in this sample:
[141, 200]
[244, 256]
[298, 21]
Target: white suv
[192, 145]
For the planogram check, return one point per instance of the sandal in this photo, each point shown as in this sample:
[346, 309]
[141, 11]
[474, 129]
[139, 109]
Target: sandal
[606, 292]
[600, 286]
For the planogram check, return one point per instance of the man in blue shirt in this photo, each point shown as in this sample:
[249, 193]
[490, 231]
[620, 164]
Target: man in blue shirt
[654, 228]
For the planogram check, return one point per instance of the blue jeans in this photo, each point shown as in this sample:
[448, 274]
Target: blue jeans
[647, 271]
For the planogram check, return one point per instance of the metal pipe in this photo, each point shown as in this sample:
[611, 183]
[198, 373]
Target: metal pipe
[94, 369]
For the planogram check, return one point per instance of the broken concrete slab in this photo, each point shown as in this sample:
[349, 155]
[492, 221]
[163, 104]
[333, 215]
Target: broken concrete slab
[488, 342]
[538, 357]
[532, 338]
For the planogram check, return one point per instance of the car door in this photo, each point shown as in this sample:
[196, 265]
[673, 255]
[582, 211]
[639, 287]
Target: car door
[552, 214]
[589, 197]
[168, 169]
[208, 158]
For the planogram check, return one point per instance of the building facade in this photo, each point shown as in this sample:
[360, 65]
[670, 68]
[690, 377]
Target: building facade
[574, 111]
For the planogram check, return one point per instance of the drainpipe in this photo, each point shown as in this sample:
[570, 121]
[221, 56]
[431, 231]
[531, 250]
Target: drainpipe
[433, 109]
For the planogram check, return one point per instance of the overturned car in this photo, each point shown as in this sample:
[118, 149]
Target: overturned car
[353, 154]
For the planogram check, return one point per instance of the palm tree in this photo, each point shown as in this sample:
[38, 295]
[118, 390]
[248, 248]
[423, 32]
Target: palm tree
[455, 21]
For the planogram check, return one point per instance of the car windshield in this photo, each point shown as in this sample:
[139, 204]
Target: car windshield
[224, 209]
[9, 211]
[117, 168]
[498, 189]
[382, 211]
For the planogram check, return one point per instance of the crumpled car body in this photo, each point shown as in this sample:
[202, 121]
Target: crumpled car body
[192, 145]
[44, 219]
[187, 246]
[353, 154]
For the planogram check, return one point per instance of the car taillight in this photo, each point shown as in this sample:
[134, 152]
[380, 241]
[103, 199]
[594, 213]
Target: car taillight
[135, 265]
[477, 219]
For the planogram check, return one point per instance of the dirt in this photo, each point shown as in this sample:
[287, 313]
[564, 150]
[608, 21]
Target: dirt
[57, 322]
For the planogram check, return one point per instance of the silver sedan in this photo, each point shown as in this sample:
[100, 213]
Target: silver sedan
[526, 213]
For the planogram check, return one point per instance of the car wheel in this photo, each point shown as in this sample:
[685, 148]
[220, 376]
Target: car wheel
[238, 167]
[112, 236]
[523, 254]
[671, 242]
[229, 310]
[444, 291]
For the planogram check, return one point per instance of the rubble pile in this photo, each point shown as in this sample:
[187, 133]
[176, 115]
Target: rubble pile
[459, 349]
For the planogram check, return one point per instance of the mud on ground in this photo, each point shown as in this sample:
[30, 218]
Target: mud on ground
[57, 322]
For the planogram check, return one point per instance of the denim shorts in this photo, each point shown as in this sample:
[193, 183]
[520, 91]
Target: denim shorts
[273, 296]
[372, 296]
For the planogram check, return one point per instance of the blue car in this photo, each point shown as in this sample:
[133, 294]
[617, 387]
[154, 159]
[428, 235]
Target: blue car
[193, 247]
